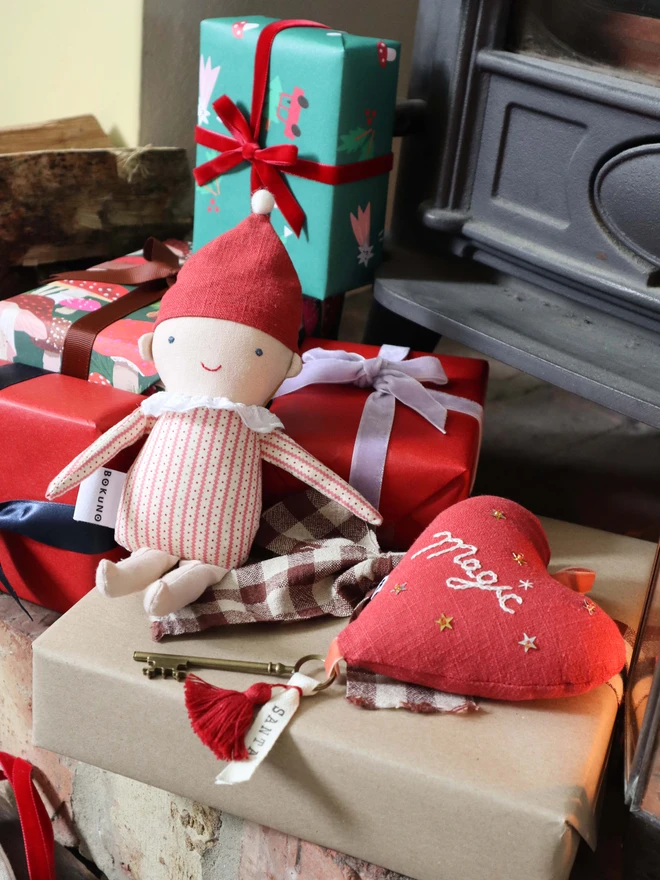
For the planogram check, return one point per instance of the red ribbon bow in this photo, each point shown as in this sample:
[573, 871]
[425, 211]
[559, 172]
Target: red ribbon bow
[243, 147]
[268, 163]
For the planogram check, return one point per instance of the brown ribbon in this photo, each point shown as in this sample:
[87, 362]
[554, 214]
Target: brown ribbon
[152, 279]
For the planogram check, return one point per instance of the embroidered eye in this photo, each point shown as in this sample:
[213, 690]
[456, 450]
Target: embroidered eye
[171, 339]
[259, 352]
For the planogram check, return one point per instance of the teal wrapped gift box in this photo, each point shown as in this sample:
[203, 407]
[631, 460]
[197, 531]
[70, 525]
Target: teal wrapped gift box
[332, 95]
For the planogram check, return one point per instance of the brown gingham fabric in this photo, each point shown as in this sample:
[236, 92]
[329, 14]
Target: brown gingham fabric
[371, 691]
[326, 561]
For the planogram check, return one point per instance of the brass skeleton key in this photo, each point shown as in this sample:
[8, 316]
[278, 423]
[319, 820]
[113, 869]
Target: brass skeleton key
[176, 666]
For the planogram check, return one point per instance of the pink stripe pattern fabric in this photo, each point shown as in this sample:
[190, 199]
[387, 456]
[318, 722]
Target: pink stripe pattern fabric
[279, 449]
[121, 435]
[195, 493]
[194, 490]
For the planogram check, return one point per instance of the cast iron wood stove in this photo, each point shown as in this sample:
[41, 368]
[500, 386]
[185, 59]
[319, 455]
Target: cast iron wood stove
[527, 211]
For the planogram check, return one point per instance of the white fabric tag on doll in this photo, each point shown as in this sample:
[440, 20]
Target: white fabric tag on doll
[268, 724]
[99, 496]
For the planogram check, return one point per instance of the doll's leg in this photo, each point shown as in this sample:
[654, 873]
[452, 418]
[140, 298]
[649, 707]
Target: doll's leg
[135, 573]
[181, 586]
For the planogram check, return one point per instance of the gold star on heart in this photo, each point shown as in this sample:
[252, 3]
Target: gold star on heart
[444, 622]
[498, 514]
[528, 643]
[591, 608]
[399, 588]
[519, 558]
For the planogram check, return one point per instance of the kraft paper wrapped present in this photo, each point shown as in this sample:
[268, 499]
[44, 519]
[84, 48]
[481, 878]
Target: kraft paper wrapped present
[47, 419]
[508, 791]
[330, 97]
[427, 461]
[36, 327]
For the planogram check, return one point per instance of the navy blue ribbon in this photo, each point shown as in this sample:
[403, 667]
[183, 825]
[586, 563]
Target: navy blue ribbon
[52, 524]
[12, 374]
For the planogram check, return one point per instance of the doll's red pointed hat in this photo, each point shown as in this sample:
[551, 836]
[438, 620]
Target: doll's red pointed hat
[244, 275]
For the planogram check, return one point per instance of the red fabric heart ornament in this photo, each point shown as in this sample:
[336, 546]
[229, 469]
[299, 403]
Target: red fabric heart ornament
[471, 609]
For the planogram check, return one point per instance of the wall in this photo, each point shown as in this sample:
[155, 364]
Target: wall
[171, 50]
[68, 57]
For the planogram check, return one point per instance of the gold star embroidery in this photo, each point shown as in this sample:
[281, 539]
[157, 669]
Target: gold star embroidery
[528, 643]
[591, 608]
[498, 514]
[399, 588]
[444, 622]
[519, 558]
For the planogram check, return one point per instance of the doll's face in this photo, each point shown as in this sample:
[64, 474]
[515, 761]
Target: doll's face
[216, 358]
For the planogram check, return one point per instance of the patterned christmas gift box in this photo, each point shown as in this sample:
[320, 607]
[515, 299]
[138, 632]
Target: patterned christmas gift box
[404, 428]
[87, 324]
[308, 113]
[46, 556]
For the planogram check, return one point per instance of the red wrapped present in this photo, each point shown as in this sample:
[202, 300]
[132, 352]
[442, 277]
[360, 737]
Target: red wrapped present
[402, 427]
[45, 556]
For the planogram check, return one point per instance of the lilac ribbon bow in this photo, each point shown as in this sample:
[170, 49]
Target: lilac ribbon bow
[392, 379]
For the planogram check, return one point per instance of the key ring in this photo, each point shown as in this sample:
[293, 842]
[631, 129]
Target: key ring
[322, 685]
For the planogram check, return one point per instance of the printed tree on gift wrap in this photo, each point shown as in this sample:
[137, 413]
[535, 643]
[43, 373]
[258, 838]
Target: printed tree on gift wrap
[207, 79]
[360, 140]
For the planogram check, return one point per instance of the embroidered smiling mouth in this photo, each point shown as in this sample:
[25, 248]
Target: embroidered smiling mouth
[211, 369]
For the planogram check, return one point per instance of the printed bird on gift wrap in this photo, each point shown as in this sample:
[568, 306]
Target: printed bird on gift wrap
[225, 338]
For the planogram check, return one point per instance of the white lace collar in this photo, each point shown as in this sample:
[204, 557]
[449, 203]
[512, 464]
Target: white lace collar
[257, 418]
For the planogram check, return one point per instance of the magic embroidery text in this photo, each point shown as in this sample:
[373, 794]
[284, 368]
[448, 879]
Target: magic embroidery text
[467, 560]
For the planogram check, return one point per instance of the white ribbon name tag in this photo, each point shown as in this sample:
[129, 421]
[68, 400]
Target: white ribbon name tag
[268, 724]
[99, 496]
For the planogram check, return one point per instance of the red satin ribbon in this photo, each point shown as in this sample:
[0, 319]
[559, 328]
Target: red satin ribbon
[268, 163]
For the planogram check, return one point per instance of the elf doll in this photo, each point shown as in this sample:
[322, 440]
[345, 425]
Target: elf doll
[226, 337]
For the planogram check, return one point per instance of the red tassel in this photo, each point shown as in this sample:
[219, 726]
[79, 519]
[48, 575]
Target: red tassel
[221, 718]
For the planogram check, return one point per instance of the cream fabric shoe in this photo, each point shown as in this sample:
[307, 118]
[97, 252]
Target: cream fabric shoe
[180, 587]
[140, 569]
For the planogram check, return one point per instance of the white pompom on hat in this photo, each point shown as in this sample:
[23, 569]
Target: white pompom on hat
[262, 202]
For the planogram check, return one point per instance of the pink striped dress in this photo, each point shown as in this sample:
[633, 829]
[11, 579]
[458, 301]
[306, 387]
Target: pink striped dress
[194, 491]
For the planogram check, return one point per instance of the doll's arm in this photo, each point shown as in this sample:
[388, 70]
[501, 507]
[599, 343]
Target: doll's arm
[121, 435]
[279, 449]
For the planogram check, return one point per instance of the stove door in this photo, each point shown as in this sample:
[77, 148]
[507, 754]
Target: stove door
[550, 162]
[567, 176]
